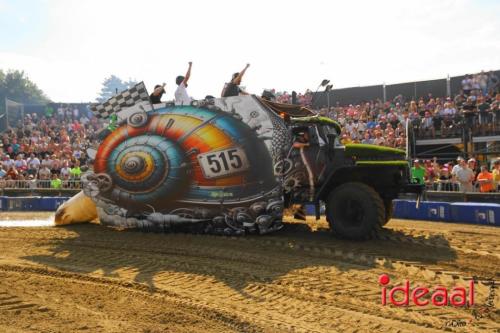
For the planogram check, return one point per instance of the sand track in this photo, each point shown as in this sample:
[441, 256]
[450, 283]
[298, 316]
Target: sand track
[90, 278]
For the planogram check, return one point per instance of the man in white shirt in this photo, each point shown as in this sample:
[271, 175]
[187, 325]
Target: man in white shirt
[463, 175]
[181, 95]
[467, 85]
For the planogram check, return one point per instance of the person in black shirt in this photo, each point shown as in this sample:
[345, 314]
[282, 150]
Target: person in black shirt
[469, 112]
[155, 97]
[233, 87]
[483, 108]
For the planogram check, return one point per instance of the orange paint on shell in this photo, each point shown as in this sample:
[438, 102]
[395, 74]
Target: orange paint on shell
[107, 146]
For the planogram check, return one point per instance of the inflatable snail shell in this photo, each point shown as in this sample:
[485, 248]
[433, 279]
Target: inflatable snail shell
[182, 156]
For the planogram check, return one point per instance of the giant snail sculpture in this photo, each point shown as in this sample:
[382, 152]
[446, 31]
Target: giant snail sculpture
[214, 166]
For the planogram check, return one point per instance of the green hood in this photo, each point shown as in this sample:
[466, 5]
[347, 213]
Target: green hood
[318, 120]
[373, 152]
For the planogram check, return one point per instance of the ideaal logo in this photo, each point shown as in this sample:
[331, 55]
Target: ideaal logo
[439, 295]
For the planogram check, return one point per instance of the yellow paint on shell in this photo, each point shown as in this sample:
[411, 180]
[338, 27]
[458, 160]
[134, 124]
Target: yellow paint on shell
[213, 137]
[145, 173]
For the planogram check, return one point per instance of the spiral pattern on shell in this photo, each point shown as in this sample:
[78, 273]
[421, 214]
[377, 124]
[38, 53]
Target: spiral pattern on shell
[153, 159]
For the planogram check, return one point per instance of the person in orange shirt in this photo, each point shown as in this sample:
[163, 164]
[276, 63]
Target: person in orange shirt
[485, 180]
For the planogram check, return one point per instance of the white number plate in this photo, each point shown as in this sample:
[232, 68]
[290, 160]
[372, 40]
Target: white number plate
[221, 163]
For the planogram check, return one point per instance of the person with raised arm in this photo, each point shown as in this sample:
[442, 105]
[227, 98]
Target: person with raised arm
[232, 88]
[157, 93]
[181, 95]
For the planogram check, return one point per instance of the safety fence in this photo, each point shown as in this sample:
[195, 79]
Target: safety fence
[453, 186]
[39, 184]
[455, 212]
[31, 203]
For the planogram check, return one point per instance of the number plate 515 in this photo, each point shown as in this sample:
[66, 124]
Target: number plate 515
[221, 163]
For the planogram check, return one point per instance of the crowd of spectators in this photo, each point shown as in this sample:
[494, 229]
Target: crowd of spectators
[47, 150]
[459, 175]
[304, 99]
[475, 108]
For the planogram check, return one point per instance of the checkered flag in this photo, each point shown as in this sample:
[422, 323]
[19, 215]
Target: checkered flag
[130, 97]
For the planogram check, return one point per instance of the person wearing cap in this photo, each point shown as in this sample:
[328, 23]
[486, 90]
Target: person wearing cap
[156, 95]
[232, 88]
[445, 180]
[181, 95]
[418, 172]
[485, 180]
[463, 175]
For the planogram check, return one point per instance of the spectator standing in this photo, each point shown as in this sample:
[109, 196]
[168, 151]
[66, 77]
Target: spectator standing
[469, 112]
[445, 180]
[418, 172]
[482, 79]
[463, 175]
[181, 95]
[483, 108]
[44, 177]
[485, 180]
[31, 182]
[56, 182]
[75, 171]
[467, 85]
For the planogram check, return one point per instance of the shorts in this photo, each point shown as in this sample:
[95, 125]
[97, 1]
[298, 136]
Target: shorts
[465, 187]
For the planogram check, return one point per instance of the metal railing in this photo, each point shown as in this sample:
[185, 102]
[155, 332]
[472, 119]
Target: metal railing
[453, 126]
[39, 184]
[454, 186]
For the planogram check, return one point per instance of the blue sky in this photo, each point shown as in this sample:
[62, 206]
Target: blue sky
[23, 25]
[68, 47]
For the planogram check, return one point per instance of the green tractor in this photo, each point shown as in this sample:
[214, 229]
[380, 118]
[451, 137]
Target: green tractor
[357, 182]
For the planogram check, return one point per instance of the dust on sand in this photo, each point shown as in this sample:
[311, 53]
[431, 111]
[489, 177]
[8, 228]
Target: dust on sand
[94, 279]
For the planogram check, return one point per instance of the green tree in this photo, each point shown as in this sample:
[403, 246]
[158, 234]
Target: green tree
[113, 85]
[15, 85]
